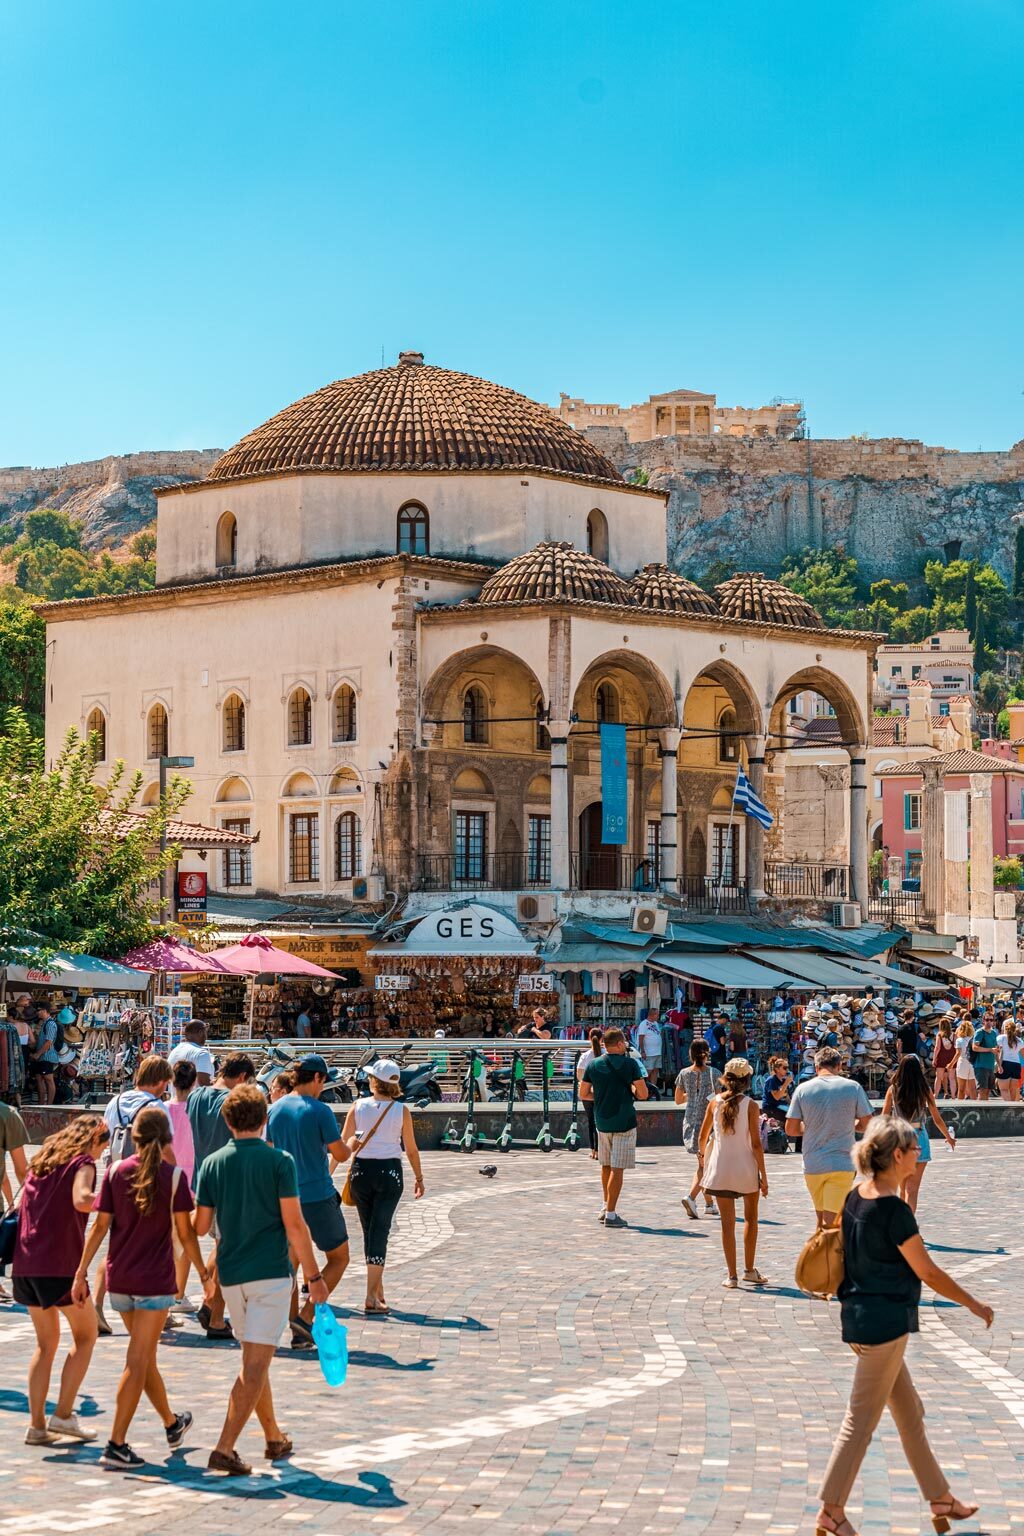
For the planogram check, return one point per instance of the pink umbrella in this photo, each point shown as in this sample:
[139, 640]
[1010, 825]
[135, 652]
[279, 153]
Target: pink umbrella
[257, 956]
[172, 956]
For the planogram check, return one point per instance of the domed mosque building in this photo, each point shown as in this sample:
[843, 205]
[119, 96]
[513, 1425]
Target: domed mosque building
[388, 627]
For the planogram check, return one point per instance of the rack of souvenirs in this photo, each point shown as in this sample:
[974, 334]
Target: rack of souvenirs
[12, 1063]
[170, 1015]
[463, 995]
[114, 1031]
[220, 1001]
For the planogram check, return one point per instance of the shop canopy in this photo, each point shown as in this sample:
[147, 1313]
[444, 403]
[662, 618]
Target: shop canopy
[80, 971]
[170, 955]
[823, 970]
[720, 970]
[256, 956]
[467, 930]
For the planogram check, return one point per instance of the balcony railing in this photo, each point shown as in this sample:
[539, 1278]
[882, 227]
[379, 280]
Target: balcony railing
[704, 893]
[606, 870]
[807, 882]
[482, 872]
[896, 909]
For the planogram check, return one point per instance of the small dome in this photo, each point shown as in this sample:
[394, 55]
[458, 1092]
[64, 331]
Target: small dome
[559, 571]
[415, 417]
[665, 591]
[752, 595]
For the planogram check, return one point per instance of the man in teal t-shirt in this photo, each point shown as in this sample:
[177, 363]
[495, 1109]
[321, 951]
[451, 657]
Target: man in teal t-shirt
[252, 1190]
[985, 1041]
[614, 1080]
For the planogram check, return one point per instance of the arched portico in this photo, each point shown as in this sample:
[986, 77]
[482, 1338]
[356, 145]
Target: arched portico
[722, 732]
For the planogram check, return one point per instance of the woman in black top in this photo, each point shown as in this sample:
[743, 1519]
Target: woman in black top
[885, 1262]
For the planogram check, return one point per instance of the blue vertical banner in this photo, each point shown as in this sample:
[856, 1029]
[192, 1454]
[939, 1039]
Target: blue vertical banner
[613, 784]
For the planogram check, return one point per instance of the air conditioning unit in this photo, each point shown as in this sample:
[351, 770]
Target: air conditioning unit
[531, 908]
[846, 914]
[648, 917]
[368, 888]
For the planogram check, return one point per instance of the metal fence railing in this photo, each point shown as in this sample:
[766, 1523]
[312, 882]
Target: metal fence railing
[807, 882]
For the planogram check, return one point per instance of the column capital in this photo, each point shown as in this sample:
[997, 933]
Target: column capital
[558, 729]
[669, 739]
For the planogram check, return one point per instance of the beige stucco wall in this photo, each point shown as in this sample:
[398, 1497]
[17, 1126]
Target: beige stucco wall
[306, 519]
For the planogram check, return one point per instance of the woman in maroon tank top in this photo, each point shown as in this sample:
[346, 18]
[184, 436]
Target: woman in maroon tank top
[56, 1199]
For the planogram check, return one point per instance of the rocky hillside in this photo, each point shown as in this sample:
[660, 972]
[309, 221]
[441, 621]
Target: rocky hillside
[113, 497]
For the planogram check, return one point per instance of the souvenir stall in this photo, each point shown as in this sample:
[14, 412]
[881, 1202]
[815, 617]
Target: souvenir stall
[750, 993]
[270, 1009]
[456, 968]
[190, 984]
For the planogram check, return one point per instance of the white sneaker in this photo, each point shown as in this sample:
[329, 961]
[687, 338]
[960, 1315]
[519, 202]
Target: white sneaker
[69, 1427]
[35, 1436]
[712, 1210]
[690, 1207]
[184, 1308]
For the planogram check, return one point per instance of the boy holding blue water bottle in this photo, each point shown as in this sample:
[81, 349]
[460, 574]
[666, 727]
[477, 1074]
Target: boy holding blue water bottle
[253, 1191]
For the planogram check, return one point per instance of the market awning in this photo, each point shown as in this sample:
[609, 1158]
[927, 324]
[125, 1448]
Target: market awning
[954, 964]
[720, 970]
[907, 979]
[63, 970]
[823, 970]
[594, 957]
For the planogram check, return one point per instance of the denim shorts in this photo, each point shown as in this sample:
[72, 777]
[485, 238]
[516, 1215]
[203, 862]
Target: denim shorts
[122, 1303]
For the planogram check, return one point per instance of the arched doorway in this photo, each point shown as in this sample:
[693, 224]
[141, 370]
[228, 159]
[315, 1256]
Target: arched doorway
[600, 862]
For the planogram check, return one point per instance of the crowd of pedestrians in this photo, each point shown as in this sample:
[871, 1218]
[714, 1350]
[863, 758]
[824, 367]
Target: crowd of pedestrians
[191, 1153]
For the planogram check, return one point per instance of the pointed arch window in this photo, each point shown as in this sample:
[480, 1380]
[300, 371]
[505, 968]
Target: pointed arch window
[96, 725]
[606, 701]
[474, 716]
[227, 541]
[413, 529]
[348, 847]
[300, 719]
[234, 723]
[345, 714]
[728, 741]
[157, 733]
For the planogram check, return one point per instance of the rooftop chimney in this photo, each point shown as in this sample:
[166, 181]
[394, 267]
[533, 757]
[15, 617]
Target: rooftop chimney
[410, 359]
[919, 712]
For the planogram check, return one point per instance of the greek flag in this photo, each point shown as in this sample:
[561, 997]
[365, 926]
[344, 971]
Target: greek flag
[745, 800]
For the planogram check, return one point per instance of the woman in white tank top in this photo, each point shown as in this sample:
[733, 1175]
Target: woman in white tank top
[734, 1167]
[378, 1130]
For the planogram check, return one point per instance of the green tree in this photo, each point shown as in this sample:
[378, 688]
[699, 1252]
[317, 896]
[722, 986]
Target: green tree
[895, 594]
[78, 859]
[144, 544]
[47, 526]
[22, 661]
[992, 692]
[829, 580]
[911, 626]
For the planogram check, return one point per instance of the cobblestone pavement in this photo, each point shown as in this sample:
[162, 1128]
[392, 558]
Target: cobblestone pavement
[542, 1375]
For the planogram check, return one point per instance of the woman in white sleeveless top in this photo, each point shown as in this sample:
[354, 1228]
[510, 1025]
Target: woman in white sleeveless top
[734, 1167]
[378, 1129]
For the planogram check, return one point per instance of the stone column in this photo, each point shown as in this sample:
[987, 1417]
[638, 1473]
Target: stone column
[859, 826]
[560, 875]
[755, 831]
[955, 906]
[933, 845]
[693, 426]
[982, 888]
[669, 844]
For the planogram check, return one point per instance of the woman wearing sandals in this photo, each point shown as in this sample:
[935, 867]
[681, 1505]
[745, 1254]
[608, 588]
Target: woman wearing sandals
[377, 1129]
[694, 1087]
[885, 1261]
[909, 1097]
[140, 1201]
[734, 1169]
[56, 1199]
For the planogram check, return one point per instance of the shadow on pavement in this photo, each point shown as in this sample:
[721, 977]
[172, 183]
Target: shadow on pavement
[373, 1489]
[17, 1402]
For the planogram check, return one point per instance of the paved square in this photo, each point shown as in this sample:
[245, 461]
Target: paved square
[542, 1375]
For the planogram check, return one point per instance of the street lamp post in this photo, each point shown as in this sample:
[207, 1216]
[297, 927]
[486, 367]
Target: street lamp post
[165, 763]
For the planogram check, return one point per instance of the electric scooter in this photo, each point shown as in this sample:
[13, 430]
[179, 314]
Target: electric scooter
[516, 1090]
[466, 1140]
[572, 1140]
[544, 1140]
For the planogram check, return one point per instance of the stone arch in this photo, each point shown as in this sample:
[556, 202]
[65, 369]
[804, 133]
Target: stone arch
[299, 786]
[742, 696]
[465, 667]
[508, 687]
[472, 782]
[630, 673]
[539, 787]
[818, 679]
[151, 793]
[233, 788]
[344, 781]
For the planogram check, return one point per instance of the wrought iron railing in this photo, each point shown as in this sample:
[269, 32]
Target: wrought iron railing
[896, 909]
[482, 872]
[807, 882]
[607, 870]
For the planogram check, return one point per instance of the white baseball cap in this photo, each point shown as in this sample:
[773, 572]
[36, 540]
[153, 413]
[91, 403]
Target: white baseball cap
[384, 1071]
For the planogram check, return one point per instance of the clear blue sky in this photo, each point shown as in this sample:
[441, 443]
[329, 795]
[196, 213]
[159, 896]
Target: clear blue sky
[211, 208]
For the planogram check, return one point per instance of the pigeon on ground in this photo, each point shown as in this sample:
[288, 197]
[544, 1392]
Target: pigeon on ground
[488, 1170]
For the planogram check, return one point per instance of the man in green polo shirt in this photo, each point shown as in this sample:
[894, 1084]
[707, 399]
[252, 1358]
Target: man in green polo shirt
[614, 1081]
[253, 1190]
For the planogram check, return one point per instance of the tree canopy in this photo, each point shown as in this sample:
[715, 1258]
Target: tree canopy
[51, 563]
[78, 859]
[22, 661]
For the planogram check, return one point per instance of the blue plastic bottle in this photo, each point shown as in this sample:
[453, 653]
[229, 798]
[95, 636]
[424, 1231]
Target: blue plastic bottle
[331, 1340]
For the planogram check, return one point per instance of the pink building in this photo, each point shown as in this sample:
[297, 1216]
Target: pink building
[902, 804]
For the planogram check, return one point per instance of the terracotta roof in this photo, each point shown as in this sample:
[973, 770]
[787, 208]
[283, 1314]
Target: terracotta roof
[752, 595]
[664, 590]
[961, 761]
[189, 834]
[555, 570]
[414, 417]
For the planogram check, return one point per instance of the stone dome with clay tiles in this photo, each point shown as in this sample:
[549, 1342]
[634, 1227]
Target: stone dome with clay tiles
[752, 595]
[413, 417]
[664, 591]
[556, 571]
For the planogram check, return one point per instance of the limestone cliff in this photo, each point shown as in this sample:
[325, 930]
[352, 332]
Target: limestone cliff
[889, 502]
[112, 497]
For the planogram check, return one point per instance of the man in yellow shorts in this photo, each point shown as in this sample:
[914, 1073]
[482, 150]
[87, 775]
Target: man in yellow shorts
[827, 1112]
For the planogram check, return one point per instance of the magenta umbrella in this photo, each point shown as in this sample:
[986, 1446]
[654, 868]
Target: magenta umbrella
[257, 956]
[174, 957]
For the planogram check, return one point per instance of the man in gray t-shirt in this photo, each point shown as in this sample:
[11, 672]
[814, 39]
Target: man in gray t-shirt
[826, 1112]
